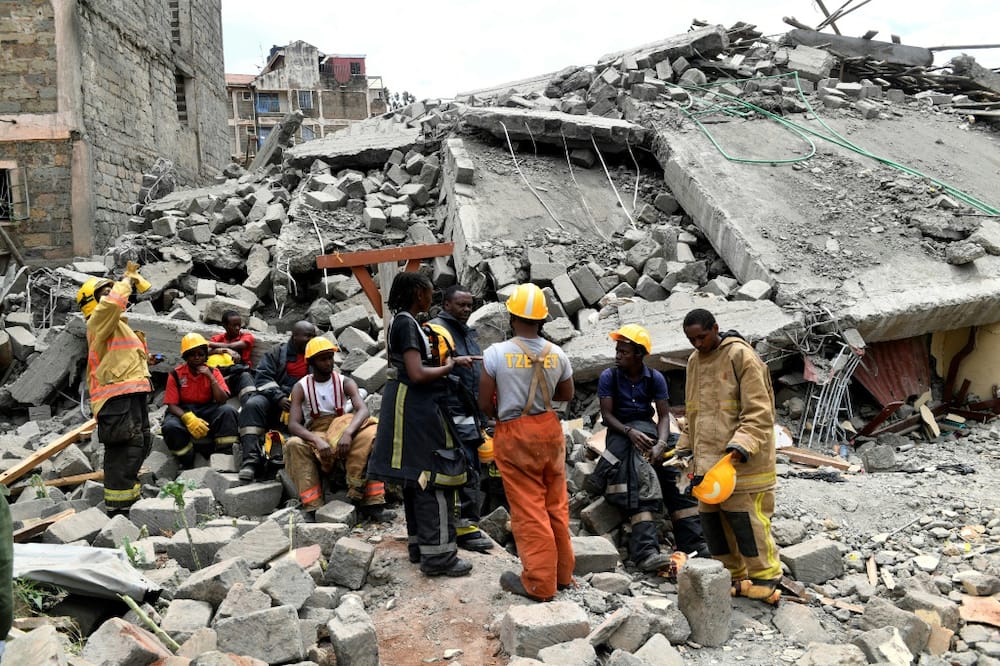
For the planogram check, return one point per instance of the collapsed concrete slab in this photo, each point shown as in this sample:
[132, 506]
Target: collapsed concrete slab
[705, 42]
[364, 145]
[853, 47]
[847, 247]
[554, 126]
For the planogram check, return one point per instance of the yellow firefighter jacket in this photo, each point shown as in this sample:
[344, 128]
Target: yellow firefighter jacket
[116, 358]
[729, 400]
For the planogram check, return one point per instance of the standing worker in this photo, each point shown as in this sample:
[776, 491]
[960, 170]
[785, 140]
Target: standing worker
[276, 374]
[118, 381]
[730, 433]
[416, 445]
[526, 374]
[195, 397]
[329, 423]
[628, 393]
[456, 306]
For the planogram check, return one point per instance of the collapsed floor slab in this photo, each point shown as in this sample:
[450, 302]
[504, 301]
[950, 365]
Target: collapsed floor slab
[832, 233]
[364, 145]
[554, 127]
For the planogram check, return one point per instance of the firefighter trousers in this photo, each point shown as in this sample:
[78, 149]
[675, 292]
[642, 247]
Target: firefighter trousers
[222, 429]
[123, 429]
[738, 533]
[430, 527]
[303, 466]
[531, 455]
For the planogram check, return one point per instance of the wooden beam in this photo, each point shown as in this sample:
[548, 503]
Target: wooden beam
[73, 480]
[384, 255]
[47, 451]
[36, 526]
[813, 459]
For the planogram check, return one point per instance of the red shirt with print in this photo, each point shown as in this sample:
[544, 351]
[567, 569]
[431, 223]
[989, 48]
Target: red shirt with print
[244, 336]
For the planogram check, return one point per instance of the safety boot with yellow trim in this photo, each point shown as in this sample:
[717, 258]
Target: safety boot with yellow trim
[761, 590]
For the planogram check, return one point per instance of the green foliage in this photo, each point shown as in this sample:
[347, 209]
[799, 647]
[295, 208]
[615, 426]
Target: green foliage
[135, 556]
[176, 489]
[38, 483]
[37, 597]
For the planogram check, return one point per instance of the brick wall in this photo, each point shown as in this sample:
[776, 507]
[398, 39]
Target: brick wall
[348, 104]
[27, 57]
[48, 232]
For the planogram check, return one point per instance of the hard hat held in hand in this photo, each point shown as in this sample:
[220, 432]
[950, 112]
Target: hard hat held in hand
[633, 333]
[528, 302]
[718, 483]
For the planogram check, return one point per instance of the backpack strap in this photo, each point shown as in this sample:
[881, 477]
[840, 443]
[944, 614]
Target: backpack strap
[538, 376]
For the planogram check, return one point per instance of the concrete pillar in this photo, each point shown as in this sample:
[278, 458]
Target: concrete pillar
[703, 597]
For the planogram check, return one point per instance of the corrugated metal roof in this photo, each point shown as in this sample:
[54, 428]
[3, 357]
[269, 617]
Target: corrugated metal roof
[896, 370]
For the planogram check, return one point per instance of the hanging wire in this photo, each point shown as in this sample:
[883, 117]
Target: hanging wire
[510, 146]
[608, 175]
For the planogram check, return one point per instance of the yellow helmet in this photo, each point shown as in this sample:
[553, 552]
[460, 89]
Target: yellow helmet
[486, 450]
[85, 296]
[528, 302]
[192, 341]
[633, 333]
[220, 360]
[718, 483]
[442, 344]
[318, 345]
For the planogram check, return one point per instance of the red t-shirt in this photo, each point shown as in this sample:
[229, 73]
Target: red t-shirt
[193, 389]
[298, 368]
[244, 336]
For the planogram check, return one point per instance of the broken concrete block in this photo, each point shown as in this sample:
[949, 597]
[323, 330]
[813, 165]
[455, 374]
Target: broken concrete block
[372, 374]
[593, 554]
[352, 338]
[120, 642]
[814, 561]
[416, 193]
[600, 516]
[286, 583]
[352, 633]
[753, 290]
[114, 531]
[258, 546]
[323, 534]
[374, 220]
[356, 316]
[272, 635]
[212, 583]
[184, 617]
[958, 253]
[914, 630]
[868, 110]
[884, 646]
[567, 294]
[831, 654]
[349, 564]
[649, 289]
[703, 597]
[583, 157]
[721, 286]
[204, 542]
[241, 600]
[71, 461]
[934, 609]
[587, 285]
[503, 271]
[811, 64]
[800, 624]
[159, 515]
[197, 233]
[527, 629]
[22, 342]
[215, 307]
[657, 651]
[83, 526]
[578, 651]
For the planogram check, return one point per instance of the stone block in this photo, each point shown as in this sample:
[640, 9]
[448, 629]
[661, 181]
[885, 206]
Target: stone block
[632, 633]
[355, 315]
[22, 342]
[932, 608]
[213, 583]
[800, 624]
[196, 233]
[753, 290]
[215, 307]
[600, 516]
[811, 64]
[184, 617]
[120, 642]
[884, 646]
[829, 654]
[241, 600]
[666, 203]
[415, 193]
[868, 110]
[594, 554]
[271, 635]
[543, 273]
[657, 651]
[324, 200]
[204, 543]
[703, 597]
[374, 220]
[649, 289]
[567, 294]
[286, 583]
[882, 613]
[258, 546]
[84, 526]
[586, 284]
[42, 646]
[526, 629]
[353, 338]
[114, 531]
[814, 561]
[372, 374]
[71, 461]
[578, 652]
[503, 271]
[720, 286]
[255, 499]
[642, 251]
[349, 564]
[352, 634]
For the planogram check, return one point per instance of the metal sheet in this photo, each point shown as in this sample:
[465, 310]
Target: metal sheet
[896, 370]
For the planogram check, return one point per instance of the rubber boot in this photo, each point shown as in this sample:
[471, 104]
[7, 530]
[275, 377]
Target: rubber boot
[250, 458]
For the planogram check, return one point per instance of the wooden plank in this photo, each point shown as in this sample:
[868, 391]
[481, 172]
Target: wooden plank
[839, 603]
[889, 580]
[62, 481]
[871, 568]
[384, 255]
[47, 451]
[929, 421]
[36, 526]
[813, 459]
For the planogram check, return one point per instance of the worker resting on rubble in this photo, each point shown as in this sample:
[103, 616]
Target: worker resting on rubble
[235, 347]
[729, 432]
[624, 474]
[196, 397]
[330, 427]
[118, 382]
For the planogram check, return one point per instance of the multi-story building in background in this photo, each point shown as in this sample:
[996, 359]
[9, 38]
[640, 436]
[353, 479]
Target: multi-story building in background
[93, 93]
[332, 91]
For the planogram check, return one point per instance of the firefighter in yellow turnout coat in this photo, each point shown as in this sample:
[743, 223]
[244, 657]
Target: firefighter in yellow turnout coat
[118, 379]
[730, 411]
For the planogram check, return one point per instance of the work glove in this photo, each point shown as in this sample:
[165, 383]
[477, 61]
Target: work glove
[132, 273]
[284, 418]
[679, 460]
[196, 426]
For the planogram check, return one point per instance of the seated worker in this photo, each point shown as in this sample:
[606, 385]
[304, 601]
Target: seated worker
[230, 352]
[276, 374]
[196, 404]
[628, 394]
[330, 427]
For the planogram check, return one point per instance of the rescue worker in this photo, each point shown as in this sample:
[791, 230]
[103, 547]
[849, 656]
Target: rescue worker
[416, 446]
[730, 414]
[196, 398]
[275, 376]
[237, 346]
[526, 374]
[628, 394]
[456, 306]
[118, 381]
[329, 423]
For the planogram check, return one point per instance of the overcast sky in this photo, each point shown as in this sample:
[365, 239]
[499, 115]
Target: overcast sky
[437, 48]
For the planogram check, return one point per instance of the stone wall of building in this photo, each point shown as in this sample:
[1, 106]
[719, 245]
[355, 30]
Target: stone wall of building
[48, 231]
[348, 104]
[27, 57]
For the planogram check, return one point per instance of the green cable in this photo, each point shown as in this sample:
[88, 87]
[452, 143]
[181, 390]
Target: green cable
[833, 137]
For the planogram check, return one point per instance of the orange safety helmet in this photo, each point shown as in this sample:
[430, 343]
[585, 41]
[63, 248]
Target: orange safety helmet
[485, 449]
[718, 483]
[633, 333]
[442, 344]
[528, 302]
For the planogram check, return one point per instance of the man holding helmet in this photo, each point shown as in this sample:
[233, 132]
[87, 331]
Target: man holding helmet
[118, 382]
[730, 432]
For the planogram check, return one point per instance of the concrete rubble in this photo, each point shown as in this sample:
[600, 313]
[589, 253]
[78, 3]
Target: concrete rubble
[591, 183]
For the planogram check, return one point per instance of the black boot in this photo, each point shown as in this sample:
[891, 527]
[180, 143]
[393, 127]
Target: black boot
[250, 457]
